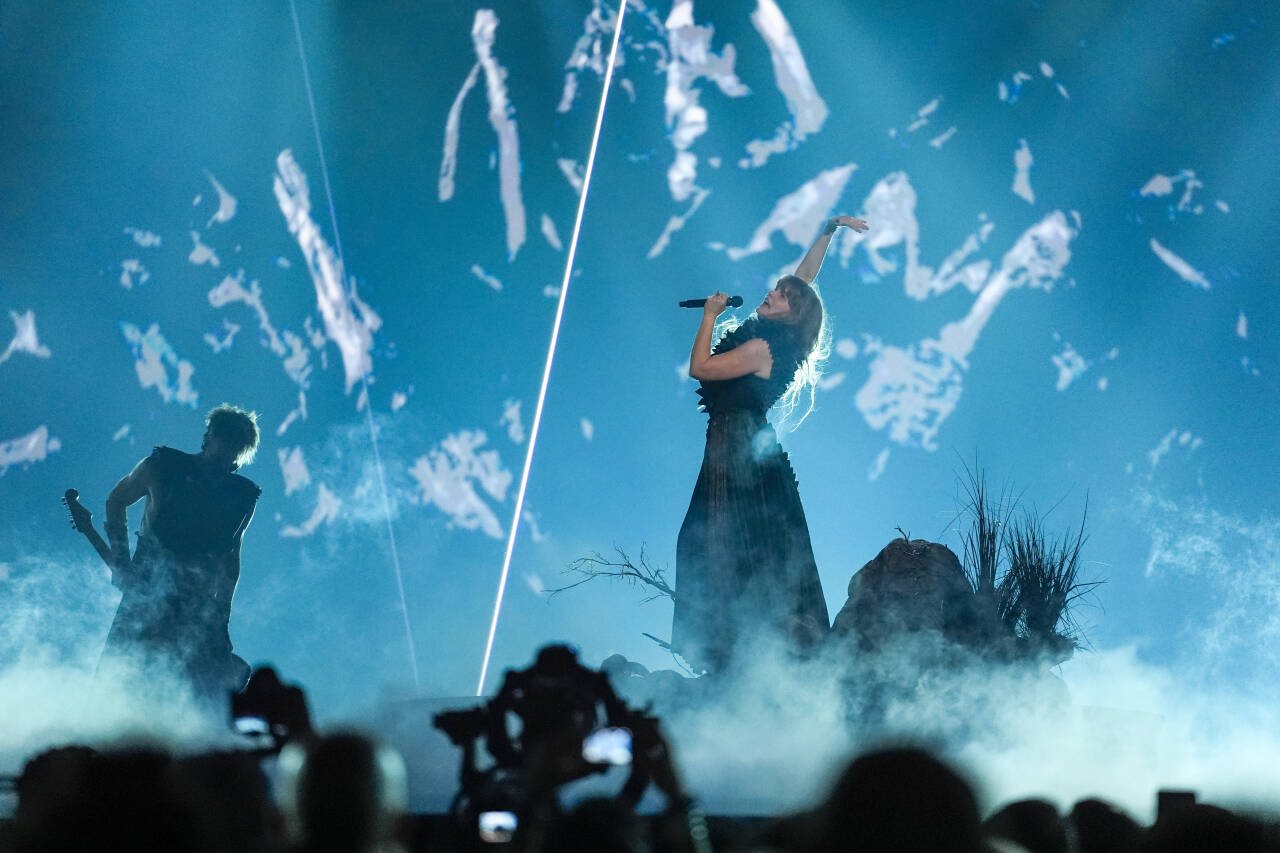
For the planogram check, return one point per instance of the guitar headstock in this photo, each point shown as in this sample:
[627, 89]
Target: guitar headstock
[81, 518]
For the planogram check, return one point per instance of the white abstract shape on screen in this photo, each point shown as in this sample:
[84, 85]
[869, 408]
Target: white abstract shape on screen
[800, 214]
[589, 52]
[328, 505]
[941, 139]
[121, 433]
[219, 344]
[501, 119]
[1159, 185]
[398, 399]
[1247, 365]
[846, 348]
[1222, 206]
[691, 59]
[131, 268]
[299, 413]
[145, 239]
[1242, 326]
[551, 291]
[1071, 366]
[534, 583]
[348, 321]
[808, 109]
[35, 446]
[492, 281]
[449, 160]
[549, 232]
[226, 202]
[877, 467]
[829, 381]
[1184, 270]
[675, 223]
[530, 520]
[890, 209]
[202, 254]
[1022, 161]
[1162, 185]
[449, 473]
[1102, 383]
[573, 172]
[511, 420]
[1184, 438]
[293, 467]
[912, 390]
[153, 358]
[1046, 69]
[232, 289]
[588, 429]
[25, 339]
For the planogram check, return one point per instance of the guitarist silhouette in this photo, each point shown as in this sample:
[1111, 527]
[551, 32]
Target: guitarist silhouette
[178, 585]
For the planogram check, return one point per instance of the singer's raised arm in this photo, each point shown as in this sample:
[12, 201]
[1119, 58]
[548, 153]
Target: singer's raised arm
[808, 269]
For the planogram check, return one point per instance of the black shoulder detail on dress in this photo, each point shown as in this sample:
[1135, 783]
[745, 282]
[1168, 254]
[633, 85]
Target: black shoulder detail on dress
[250, 490]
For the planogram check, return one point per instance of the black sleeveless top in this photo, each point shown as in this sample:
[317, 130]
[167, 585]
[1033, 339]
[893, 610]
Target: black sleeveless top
[750, 392]
[201, 510]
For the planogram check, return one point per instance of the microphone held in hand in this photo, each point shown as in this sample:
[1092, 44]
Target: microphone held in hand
[734, 302]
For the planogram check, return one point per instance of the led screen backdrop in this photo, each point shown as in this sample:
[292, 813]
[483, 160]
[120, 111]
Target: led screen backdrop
[1069, 281]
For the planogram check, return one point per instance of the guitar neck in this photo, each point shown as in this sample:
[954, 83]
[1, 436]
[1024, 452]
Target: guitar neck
[100, 545]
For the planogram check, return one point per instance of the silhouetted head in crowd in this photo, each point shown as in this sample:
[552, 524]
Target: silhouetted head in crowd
[1199, 828]
[900, 801]
[229, 795]
[1034, 824]
[348, 794]
[1102, 828]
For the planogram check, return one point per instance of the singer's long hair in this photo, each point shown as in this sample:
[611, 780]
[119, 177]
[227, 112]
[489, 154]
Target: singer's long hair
[807, 319]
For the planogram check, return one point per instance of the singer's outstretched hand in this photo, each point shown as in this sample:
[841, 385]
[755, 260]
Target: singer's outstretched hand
[715, 305]
[853, 222]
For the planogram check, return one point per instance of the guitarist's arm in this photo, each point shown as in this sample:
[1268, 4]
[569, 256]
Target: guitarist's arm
[131, 488]
[229, 568]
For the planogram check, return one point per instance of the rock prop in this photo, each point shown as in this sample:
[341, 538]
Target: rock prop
[910, 587]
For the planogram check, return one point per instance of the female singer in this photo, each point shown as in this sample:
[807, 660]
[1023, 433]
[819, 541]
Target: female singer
[744, 563]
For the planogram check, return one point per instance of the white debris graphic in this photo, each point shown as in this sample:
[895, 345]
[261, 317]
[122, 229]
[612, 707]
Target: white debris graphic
[511, 420]
[226, 202]
[327, 507]
[877, 467]
[448, 475]
[675, 223]
[1242, 326]
[588, 429]
[121, 433]
[501, 118]
[1022, 161]
[1184, 270]
[293, 467]
[24, 337]
[890, 209]
[940, 140]
[531, 524]
[846, 348]
[449, 162]
[153, 357]
[288, 346]
[130, 268]
[1184, 439]
[800, 214]
[549, 232]
[25, 449]
[808, 110]
[1071, 366]
[912, 390]
[348, 321]
[1163, 185]
[573, 172]
[831, 380]
[145, 239]
[398, 399]
[202, 254]
[492, 281]
[218, 344]
[589, 52]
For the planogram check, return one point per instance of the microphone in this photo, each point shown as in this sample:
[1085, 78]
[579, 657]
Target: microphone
[734, 302]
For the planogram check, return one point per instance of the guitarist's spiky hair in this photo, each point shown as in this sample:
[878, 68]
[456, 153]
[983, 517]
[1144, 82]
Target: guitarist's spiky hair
[238, 428]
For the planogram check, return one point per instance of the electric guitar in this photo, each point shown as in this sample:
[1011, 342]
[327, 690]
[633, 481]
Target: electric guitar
[82, 520]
